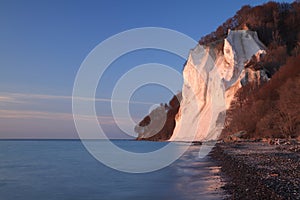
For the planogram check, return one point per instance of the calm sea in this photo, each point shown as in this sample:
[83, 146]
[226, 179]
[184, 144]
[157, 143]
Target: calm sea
[63, 169]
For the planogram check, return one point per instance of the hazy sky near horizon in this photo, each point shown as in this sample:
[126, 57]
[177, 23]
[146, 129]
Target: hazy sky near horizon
[43, 44]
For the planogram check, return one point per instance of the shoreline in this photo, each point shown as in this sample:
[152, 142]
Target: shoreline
[257, 170]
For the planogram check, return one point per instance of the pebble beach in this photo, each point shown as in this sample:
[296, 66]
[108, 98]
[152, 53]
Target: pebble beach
[258, 170]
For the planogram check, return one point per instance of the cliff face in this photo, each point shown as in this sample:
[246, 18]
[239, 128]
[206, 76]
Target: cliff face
[210, 82]
[239, 62]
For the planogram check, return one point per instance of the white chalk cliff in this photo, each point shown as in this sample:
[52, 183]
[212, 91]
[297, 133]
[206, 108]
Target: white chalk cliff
[210, 83]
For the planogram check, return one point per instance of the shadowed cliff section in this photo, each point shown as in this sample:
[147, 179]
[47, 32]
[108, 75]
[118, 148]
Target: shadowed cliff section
[147, 128]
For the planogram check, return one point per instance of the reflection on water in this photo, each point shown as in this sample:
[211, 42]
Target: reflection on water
[198, 178]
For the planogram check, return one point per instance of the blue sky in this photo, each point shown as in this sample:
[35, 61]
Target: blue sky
[43, 44]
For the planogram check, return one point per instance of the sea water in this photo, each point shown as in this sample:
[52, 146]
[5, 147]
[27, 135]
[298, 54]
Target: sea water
[64, 169]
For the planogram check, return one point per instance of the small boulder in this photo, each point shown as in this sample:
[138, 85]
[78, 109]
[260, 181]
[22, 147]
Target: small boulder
[235, 137]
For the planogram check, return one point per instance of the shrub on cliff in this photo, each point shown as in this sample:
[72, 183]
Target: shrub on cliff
[271, 110]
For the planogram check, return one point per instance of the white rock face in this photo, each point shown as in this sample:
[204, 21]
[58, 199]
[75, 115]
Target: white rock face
[239, 47]
[211, 83]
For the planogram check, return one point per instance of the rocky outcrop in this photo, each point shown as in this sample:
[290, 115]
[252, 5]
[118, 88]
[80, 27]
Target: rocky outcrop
[160, 123]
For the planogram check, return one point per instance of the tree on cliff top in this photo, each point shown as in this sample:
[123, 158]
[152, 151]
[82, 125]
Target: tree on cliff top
[277, 24]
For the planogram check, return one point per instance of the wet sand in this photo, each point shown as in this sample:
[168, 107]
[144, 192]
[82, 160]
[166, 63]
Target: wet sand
[257, 170]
